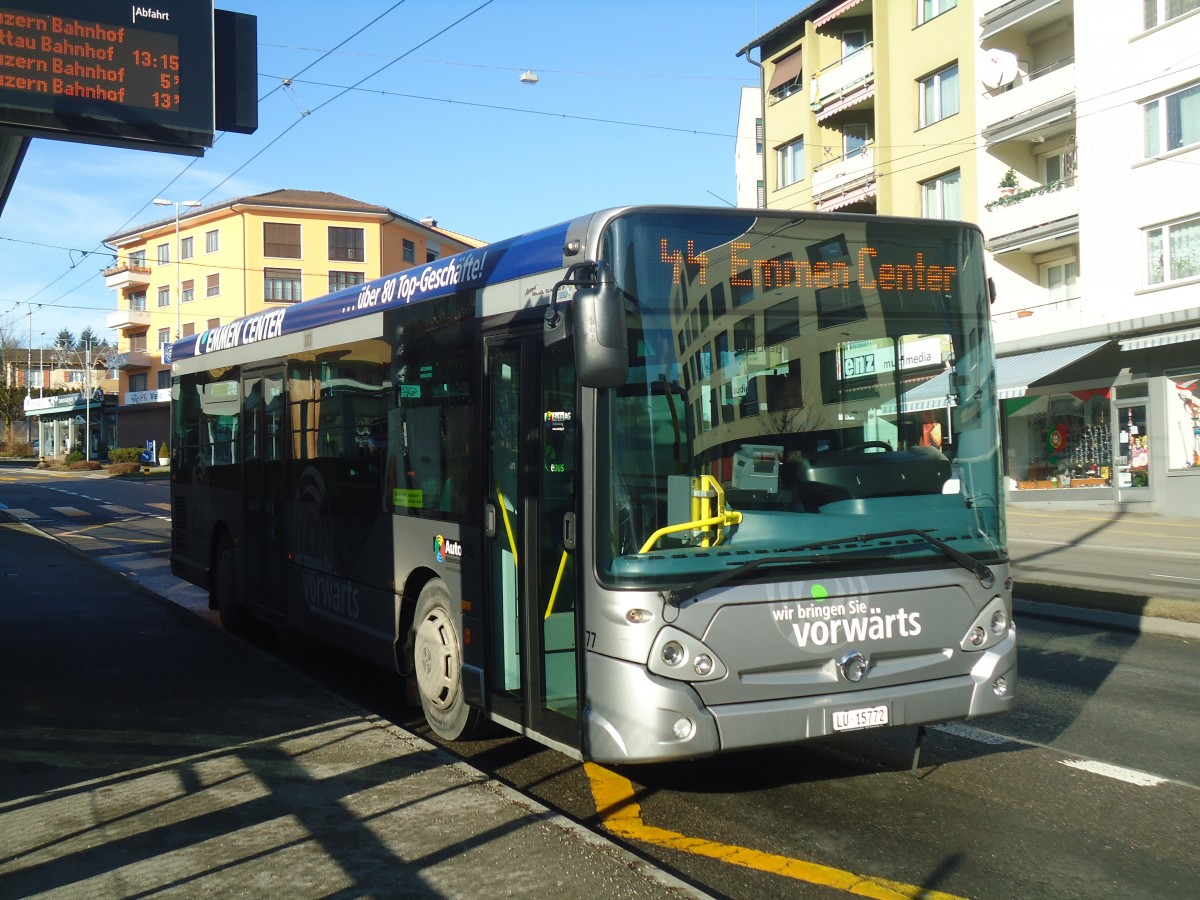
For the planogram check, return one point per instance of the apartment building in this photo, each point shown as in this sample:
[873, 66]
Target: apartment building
[1071, 140]
[205, 265]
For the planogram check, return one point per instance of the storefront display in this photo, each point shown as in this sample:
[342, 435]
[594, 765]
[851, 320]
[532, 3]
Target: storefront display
[1059, 440]
[1183, 420]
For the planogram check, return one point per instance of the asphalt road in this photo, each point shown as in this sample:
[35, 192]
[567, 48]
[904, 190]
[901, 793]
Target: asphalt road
[1128, 552]
[1088, 789]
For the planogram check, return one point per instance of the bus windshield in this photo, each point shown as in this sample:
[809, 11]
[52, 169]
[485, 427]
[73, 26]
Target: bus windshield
[814, 384]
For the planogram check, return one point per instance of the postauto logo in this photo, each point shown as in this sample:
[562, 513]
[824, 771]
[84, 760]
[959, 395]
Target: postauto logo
[444, 549]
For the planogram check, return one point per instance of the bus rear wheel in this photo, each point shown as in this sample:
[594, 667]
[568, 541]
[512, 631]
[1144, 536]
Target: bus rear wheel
[233, 615]
[437, 666]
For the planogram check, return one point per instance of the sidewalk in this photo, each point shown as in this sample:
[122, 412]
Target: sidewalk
[143, 750]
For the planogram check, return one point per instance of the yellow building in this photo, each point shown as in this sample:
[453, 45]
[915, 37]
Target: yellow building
[864, 108]
[206, 265]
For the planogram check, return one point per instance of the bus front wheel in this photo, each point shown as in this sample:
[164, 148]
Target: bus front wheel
[224, 589]
[437, 664]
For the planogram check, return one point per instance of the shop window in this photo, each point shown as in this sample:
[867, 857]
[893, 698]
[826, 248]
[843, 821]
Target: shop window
[1060, 440]
[1183, 420]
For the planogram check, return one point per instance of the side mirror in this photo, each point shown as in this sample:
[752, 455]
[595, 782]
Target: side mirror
[598, 321]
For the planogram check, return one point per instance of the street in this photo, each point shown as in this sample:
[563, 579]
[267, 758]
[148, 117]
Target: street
[1088, 789]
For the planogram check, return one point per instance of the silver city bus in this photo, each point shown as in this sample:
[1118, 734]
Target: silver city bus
[652, 484]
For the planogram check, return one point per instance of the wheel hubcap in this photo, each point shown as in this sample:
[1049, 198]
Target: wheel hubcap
[437, 659]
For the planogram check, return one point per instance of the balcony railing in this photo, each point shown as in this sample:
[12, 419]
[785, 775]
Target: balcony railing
[123, 276]
[840, 79]
[1024, 220]
[1044, 100]
[127, 318]
[130, 359]
[837, 176]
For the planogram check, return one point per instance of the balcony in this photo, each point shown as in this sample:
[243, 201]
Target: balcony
[1012, 19]
[125, 277]
[844, 180]
[1041, 105]
[1033, 223]
[846, 83]
[130, 359]
[127, 318]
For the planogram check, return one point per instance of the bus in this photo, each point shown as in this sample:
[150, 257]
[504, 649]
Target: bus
[653, 484]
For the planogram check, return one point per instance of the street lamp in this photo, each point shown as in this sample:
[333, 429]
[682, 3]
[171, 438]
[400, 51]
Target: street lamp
[159, 201]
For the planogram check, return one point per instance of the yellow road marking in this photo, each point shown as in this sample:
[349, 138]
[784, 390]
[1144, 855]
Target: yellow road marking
[622, 815]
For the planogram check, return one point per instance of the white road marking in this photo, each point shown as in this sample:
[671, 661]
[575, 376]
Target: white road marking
[1108, 770]
[971, 734]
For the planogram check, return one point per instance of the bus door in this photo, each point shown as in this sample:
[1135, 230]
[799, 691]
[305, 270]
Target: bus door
[531, 478]
[262, 486]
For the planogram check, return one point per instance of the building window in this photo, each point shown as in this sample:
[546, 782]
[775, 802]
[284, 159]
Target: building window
[137, 301]
[138, 258]
[790, 159]
[941, 197]
[212, 285]
[137, 343]
[1156, 12]
[1172, 121]
[186, 250]
[432, 252]
[939, 95]
[340, 280]
[213, 324]
[347, 244]
[163, 254]
[281, 285]
[1060, 280]
[1173, 252]
[212, 241]
[931, 9]
[188, 330]
[164, 296]
[164, 337]
[164, 378]
[138, 382]
[281, 240]
[187, 291]
[410, 251]
[786, 77]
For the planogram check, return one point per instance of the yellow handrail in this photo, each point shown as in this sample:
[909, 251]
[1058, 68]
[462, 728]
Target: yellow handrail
[708, 512]
[562, 564]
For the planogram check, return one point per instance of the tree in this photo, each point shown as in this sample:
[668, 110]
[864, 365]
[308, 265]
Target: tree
[63, 351]
[12, 392]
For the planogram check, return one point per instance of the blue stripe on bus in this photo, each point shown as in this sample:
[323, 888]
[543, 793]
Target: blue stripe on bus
[537, 251]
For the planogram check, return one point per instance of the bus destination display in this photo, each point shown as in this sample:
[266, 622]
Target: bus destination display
[110, 72]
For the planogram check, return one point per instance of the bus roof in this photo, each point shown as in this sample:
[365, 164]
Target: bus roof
[537, 251]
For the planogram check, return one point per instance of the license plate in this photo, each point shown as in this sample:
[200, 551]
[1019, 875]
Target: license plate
[867, 717]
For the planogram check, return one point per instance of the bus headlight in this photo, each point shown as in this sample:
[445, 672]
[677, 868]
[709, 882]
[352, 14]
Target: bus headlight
[673, 653]
[989, 627]
[678, 655]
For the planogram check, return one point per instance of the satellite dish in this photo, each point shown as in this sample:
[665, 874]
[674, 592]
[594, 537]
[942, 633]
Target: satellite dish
[997, 68]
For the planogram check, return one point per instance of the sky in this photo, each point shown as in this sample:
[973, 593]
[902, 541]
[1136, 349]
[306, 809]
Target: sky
[636, 102]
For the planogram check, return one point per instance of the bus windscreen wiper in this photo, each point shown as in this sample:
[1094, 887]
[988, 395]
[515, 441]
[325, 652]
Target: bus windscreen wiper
[972, 565]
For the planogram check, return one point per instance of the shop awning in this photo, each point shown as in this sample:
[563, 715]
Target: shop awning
[1162, 339]
[1014, 375]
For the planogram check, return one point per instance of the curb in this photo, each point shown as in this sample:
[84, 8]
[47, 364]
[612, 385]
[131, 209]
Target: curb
[1116, 621]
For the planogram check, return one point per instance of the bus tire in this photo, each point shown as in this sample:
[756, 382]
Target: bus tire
[232, 613]
[437, 666]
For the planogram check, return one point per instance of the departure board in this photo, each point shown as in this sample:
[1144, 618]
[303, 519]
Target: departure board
[109, 72]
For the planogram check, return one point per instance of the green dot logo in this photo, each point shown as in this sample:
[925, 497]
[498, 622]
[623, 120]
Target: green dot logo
[819, 592]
